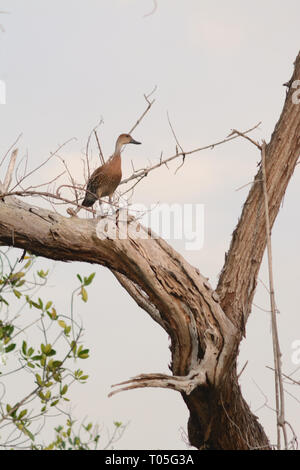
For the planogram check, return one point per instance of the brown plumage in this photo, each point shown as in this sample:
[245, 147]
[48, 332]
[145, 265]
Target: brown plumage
[105, 179]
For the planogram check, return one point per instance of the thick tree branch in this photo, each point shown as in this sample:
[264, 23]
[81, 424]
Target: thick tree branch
[161, 273]
[237, 281]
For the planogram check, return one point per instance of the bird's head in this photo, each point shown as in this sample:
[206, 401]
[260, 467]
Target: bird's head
[124, 139]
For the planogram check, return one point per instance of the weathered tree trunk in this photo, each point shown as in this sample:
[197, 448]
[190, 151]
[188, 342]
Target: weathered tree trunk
[205, 326]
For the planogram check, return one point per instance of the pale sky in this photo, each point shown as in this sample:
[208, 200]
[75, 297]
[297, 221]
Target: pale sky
[217, 66]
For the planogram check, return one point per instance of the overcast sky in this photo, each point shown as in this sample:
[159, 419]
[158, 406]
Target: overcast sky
[217, 66]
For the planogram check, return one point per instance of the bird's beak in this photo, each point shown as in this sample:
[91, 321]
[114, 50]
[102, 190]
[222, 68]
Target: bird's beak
[134, 141]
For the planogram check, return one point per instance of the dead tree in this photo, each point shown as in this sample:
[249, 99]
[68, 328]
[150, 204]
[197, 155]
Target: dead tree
[205, 326]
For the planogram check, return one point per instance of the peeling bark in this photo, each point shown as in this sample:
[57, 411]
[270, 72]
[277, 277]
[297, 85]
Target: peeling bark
[205, 326]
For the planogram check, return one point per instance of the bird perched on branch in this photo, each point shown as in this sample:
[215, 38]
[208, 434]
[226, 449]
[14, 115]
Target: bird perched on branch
[105, 179]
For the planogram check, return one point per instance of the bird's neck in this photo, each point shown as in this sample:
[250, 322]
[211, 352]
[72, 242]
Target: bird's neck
[115, 163]
[118, 149]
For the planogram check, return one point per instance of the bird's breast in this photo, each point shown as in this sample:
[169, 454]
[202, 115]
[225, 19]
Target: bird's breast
[109, 177]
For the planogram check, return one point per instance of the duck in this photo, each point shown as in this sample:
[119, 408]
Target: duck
[106, 178]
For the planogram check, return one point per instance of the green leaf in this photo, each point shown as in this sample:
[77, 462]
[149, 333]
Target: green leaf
[43, 274]
[35, 305]
[3, 300]
[24, 348]
[16, 276]
[30, 351]
[28, 263]
[64, 390]
[84, 377]
[79, 277]
[88, 280]
[67, 330]
[53, 314]
[57, 364]
[36, 358]
[17, 293]
[48, 305]
[41, 395]
[29, 434]
[22, 414]
[47, 349]
[84, 354]
[84, 294]
[62, 323]
[39, 380]
[10, 348]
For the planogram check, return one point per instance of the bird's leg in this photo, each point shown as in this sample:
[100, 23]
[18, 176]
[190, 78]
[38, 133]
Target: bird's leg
[111, 204]
[100, 208]
[73, 212]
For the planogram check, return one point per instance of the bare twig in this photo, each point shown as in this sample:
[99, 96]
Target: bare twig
[88, 145]
[174, 134]
[10, 148]
[178, 144]
[150, 103]
[294, 442]
[9, 173]
[161, 162]
[247, 184]
[52, 154]
[99, 147]
[44, 194]
[279, 392]
[295, 382]
[134, 185]
[45, 184]
[71, 178]
[153, 9]
[242, 370]
[242, 134]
